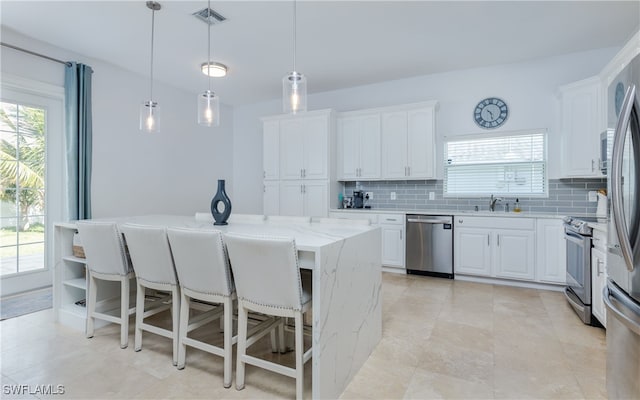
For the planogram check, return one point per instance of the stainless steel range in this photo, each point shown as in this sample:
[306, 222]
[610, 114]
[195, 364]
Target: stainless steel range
[577, 234]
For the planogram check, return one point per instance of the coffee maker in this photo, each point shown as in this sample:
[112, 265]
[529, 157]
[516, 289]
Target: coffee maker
[358, 199]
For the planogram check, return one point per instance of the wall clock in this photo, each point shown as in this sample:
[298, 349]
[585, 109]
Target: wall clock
[491, 113]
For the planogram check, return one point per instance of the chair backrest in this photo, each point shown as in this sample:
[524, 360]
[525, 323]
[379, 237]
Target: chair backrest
[246, 218]
[150, 253]
[204, 217]
[201, 260]
[265, 270]
[284, 219]
[342, 221]
[103, 247]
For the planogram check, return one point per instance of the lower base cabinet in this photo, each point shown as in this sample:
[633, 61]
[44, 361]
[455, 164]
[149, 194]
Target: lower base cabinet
[599, 275]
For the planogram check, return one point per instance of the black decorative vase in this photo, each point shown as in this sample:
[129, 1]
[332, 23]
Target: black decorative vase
[221, 205]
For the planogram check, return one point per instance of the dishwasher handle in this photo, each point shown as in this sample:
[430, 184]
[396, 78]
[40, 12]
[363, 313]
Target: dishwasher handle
[429, 221]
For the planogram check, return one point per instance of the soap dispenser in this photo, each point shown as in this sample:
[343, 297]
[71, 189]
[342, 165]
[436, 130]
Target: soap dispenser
[516, 207]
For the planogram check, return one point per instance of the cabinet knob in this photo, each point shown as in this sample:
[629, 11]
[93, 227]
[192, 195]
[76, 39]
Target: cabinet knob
[460, 221]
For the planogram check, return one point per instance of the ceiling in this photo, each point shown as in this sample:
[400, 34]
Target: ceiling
[340, 43]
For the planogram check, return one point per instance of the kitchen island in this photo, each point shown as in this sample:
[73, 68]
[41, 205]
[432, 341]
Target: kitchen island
[347, 306]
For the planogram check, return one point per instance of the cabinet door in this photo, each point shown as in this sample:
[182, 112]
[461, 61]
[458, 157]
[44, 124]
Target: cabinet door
[271, 198]
[472, 249]
[315, 196]
[291, 198]
[394, 143]
[581, 129]
[369, 143]
[291, 149]
[348, 147]
[513, 254]
[316, 147]
[392, 245]
[420, 143]
[598, 281]
[271, 149]
[551, 251]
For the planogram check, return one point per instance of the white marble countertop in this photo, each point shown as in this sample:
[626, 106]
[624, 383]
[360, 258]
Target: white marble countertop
[510, 214]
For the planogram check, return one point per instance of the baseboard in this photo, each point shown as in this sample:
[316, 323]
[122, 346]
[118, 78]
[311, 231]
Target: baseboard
[509, 282]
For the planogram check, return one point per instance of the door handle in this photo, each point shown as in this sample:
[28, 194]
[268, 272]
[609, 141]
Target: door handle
[598, 264]
[498, 240]
[427, 221]
[610, 291]
[489, 240]
[626, 111]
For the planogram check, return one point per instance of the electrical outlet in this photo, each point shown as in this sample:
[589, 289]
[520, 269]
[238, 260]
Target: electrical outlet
[369, 194]
[432, 196]
[393, 195]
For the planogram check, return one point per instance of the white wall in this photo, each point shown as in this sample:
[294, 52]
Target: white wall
[528, 88]
[174, 171]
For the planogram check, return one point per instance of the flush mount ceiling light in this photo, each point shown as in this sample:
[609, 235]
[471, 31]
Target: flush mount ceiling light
[150, 110]
[214, 69]
[294, 84]
[208, 102]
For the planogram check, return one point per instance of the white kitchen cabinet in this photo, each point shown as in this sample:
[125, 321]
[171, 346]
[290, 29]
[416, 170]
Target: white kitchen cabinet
[304, 147]
[599, 275]
[358, 146]
[472, 251]
[393, 236]
[271, 149]
[551, 251]
[495, 247]
[408, 143]
[304, 198]
[582, 116]
[513, 252]
[271, 198]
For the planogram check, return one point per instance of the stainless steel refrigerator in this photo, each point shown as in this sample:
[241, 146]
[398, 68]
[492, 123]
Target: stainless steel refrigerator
[622, 293]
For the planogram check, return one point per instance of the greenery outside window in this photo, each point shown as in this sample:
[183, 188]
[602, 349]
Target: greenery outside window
[513, 164]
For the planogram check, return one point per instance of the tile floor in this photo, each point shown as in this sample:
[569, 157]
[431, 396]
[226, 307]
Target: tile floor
[441, 339]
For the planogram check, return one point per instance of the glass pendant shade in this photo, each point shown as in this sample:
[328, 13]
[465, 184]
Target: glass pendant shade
[208, 109]
[294, 93]
[150, 116]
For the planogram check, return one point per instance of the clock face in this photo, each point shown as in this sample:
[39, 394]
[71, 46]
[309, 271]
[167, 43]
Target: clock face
[491, 113]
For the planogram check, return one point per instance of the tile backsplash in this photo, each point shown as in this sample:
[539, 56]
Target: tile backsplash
[566, 196]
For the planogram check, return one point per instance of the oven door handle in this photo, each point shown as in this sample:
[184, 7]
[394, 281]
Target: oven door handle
[574, 238]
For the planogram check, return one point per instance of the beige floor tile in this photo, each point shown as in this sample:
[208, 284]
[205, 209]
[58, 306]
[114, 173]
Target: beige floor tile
[446, 359]
[430, 385]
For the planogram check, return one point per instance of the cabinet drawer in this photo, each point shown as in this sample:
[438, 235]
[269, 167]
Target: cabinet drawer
[494, 222]
[393, 219]
[373, 218]
[600, 240]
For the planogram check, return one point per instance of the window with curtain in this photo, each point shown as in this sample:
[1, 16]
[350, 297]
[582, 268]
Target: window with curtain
[504, 164]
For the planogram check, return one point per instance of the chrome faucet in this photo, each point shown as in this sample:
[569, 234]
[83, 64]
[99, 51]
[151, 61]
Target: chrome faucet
[492, 202]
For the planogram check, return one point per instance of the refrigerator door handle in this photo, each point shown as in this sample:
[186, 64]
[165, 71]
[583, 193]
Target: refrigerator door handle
[611, 291]
[616, 176]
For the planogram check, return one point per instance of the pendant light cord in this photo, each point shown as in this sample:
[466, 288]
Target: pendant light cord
[153, 14]
[209, 45]
[294, 34]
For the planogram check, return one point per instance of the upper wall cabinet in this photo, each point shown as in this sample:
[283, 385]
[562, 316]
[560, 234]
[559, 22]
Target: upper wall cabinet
[408, 142]
[358, 146]
[304, 146]
[582, 119]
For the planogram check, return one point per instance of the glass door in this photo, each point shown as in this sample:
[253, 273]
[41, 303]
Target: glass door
[28, 125]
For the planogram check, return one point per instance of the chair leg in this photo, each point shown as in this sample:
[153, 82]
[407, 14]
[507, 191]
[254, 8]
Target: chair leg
[91, 305]
[274, 340]
[242, 345]
[282, 345]
[175, 305]
[185, 303]
[139, 317]
[228, 347]
[124, 312]
[299, 355]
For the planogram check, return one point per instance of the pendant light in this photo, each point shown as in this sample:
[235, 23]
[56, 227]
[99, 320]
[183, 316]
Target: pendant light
[208, 102]
[294, 84]
[150, 110]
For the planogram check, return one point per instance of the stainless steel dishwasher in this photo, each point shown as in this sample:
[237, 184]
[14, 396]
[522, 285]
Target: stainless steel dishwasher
[429, 245]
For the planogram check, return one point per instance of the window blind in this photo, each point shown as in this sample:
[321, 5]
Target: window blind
[499, 165]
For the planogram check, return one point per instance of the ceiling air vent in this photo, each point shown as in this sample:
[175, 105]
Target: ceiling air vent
[210, 16]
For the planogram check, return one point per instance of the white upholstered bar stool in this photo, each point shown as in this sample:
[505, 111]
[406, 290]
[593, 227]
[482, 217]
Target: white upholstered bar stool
[153, 265]
[203, 271]
[267, 278]
[106, 260]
